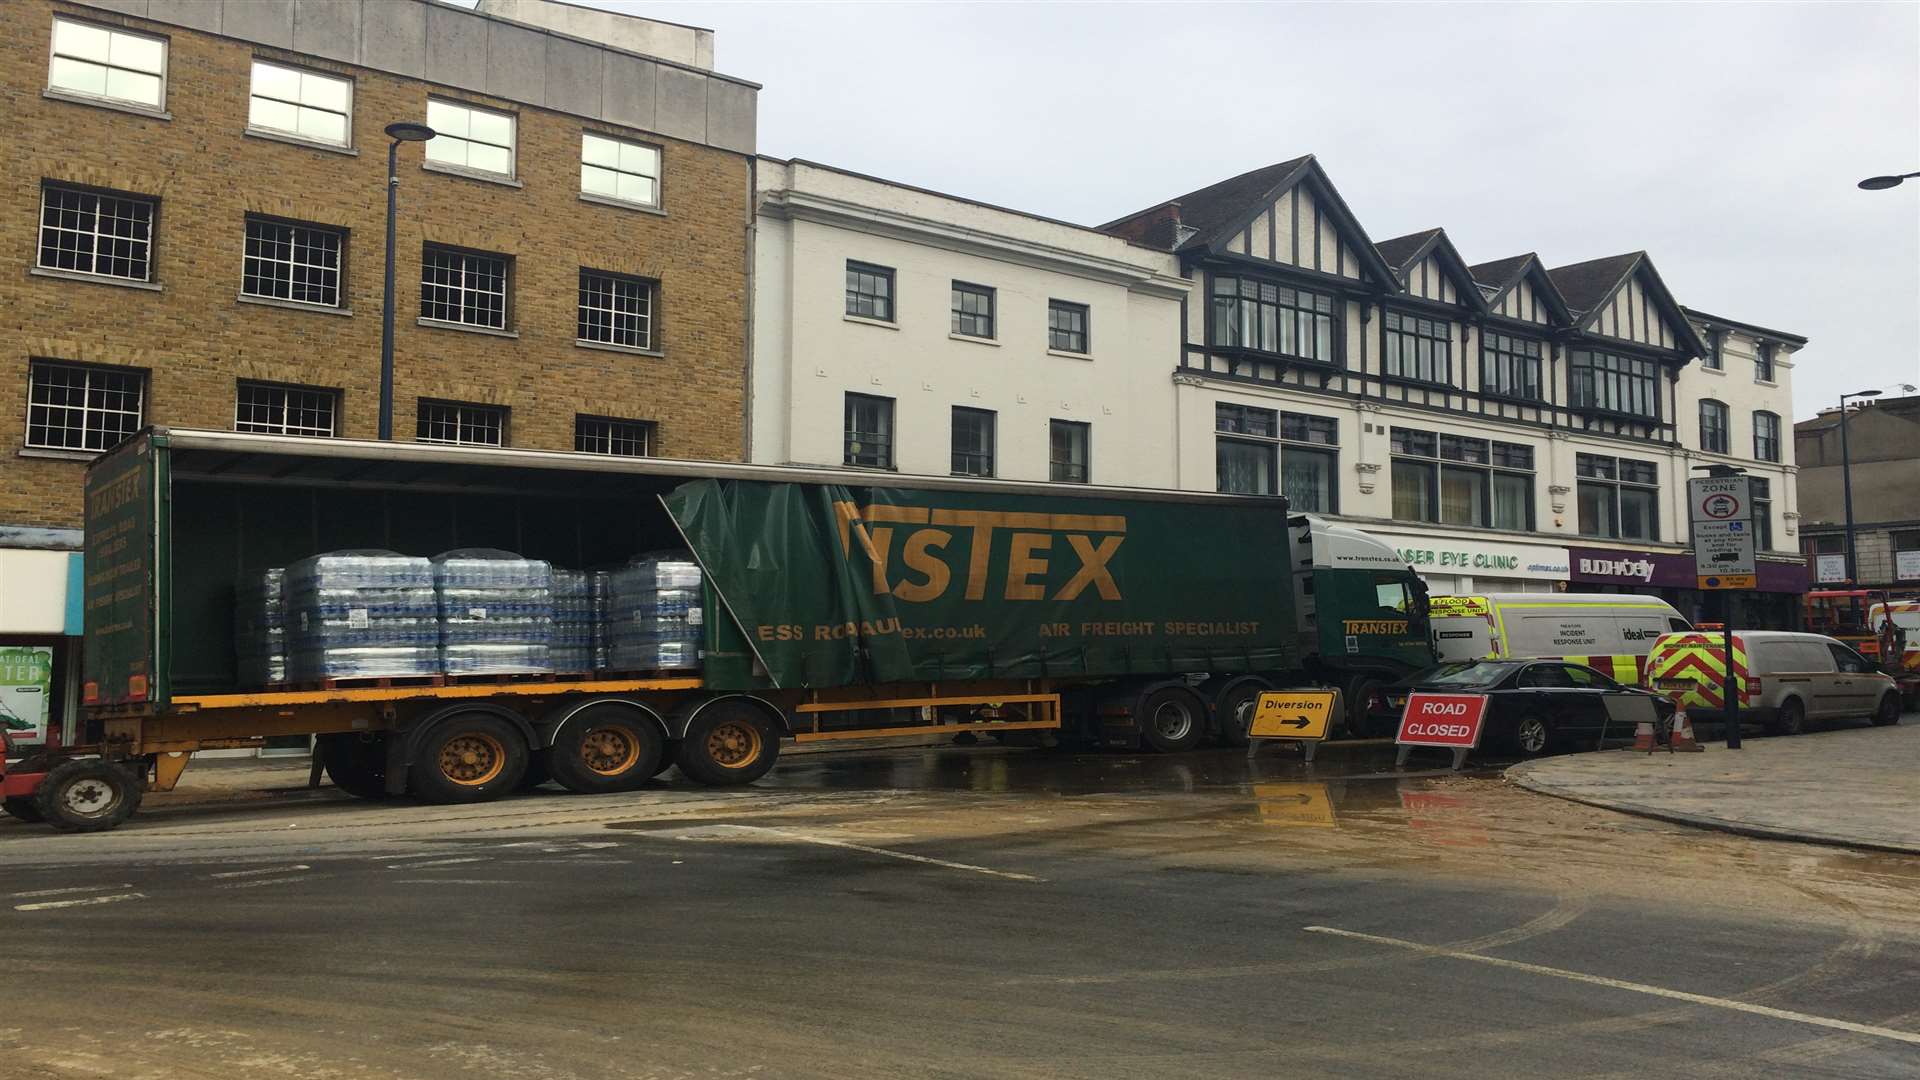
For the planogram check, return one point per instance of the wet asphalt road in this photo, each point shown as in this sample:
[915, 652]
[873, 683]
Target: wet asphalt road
[959, 913]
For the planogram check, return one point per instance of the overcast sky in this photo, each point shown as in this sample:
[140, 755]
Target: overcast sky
[1725, 138]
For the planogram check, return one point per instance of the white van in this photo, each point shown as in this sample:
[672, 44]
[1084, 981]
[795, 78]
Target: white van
[1609, 632]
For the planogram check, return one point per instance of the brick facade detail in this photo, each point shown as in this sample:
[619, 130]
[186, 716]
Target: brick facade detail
[196, 339]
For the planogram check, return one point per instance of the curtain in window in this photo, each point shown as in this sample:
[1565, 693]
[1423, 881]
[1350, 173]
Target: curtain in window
[1243, 468]
[1463, 496]
[1412, 493]
[1512, 501]
[1306, 479]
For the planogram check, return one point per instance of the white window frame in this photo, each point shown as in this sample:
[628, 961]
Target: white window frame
[86, 407]
[649, 319]
[339, 268]
[253, 92]
[461, 288]
[608, 430]
[443, 139]
[659, 168]
[41, 228]
[54, 57]
[285, 392]
[460, 411]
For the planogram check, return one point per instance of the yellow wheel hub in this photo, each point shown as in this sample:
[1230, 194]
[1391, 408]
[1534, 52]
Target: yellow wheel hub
[734, 745]
[472, 759]
[609, 751]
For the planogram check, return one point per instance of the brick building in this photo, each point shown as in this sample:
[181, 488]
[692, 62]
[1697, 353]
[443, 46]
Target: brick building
[193, 206]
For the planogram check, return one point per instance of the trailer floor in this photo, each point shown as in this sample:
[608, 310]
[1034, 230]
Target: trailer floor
[958, 913]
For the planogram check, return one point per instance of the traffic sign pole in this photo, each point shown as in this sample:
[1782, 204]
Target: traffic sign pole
[1724, 559]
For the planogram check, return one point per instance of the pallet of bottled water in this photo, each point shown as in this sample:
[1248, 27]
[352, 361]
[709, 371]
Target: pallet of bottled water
[496, 612]
[599, 585]
[260, 627]
[361, 614]
[654, 614]
[574, 621]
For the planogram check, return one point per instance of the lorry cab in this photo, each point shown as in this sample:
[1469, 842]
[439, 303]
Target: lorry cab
[1609, 632]
[1362, 610]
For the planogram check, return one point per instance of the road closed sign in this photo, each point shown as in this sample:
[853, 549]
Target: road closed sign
[1293, 714]
[1450, 720]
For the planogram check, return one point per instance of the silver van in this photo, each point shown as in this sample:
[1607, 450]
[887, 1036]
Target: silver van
[1791, 678]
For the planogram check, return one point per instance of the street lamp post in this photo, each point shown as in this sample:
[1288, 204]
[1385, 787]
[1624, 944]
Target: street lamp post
[1846, 483]
[1881, 183]
[399, 133]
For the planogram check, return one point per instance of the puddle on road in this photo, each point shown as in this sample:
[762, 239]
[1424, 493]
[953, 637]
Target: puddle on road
[1352, 810]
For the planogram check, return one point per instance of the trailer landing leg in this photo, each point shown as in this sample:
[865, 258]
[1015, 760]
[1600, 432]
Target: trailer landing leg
[167, 767]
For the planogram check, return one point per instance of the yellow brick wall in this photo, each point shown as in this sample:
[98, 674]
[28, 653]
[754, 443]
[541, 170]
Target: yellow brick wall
[196, 339]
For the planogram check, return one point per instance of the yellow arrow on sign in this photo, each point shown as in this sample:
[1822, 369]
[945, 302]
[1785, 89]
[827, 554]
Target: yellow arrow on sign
[1294, 714]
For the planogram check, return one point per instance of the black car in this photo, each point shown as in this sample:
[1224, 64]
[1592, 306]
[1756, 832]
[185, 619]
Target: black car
[1535, 706]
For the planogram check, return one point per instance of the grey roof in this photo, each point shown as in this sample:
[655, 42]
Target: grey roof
[1401, 250]
[1585, 285]
[1216, 206]
[1500, 272]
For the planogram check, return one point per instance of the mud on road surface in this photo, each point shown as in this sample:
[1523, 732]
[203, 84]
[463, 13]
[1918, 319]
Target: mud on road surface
[950, 912]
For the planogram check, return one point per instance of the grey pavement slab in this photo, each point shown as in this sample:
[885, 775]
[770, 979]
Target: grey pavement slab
[1856, 787]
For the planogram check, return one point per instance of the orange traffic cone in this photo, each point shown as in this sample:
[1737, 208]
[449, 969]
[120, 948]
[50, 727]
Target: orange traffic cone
[1643, 736]
[1680, 739]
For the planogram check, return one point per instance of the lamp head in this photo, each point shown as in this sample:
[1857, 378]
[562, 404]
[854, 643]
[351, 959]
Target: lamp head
[1880, 183]
[405, 131]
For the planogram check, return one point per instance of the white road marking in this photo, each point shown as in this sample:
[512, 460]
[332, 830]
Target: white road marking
[554, 847]
[907, 856]
[438, 862]
[70, 891]
[256, 883]
[456, 881]
[1896, 1035]
[114, 899]
[262, 871]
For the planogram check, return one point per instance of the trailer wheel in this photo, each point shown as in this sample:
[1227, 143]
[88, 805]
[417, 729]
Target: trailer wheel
[468, 757]
[88, 795]
[357, 764]
[728, 743]
[1171, 719]
[1229, 707]
[1356, 695]
[670, 750]
[606, 749]
[22, 807]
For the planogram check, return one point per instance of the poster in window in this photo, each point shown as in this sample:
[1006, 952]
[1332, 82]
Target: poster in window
[1830, 569]
[1906, 565]
[26, 683]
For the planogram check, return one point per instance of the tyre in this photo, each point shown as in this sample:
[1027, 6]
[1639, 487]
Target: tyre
[1171, 719]
[1356, 695]
[1789, 719]
[1233, 711]
[470, 757]
[670, 751]
[1532, 737]
[357, 764]
[89, 795]
[22, 807]
[537, 772]
[728, 742]
[606, 748]
[1888, 714]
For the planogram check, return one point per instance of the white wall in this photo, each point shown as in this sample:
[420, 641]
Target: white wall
[808, 353]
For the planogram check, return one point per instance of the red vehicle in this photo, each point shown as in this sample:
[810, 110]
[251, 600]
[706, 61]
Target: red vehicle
[1878, 625]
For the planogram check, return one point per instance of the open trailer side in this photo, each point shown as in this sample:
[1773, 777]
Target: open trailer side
[836, 605]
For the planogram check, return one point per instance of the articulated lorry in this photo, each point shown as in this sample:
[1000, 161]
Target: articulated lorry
[835, 605]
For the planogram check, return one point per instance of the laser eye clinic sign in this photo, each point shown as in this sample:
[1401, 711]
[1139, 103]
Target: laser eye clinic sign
[1446, 555]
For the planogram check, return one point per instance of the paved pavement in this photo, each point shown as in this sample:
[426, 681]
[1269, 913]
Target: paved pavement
[1855, 787]
[949, 913]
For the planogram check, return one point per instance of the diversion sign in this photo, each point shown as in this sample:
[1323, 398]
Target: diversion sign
[836, 584]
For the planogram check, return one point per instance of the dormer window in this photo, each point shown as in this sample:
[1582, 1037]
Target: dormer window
[1610, 382]
[1265, 317]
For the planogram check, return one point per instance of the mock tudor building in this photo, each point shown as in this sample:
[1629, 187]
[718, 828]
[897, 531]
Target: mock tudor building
[194, 205]
[1507, 424]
